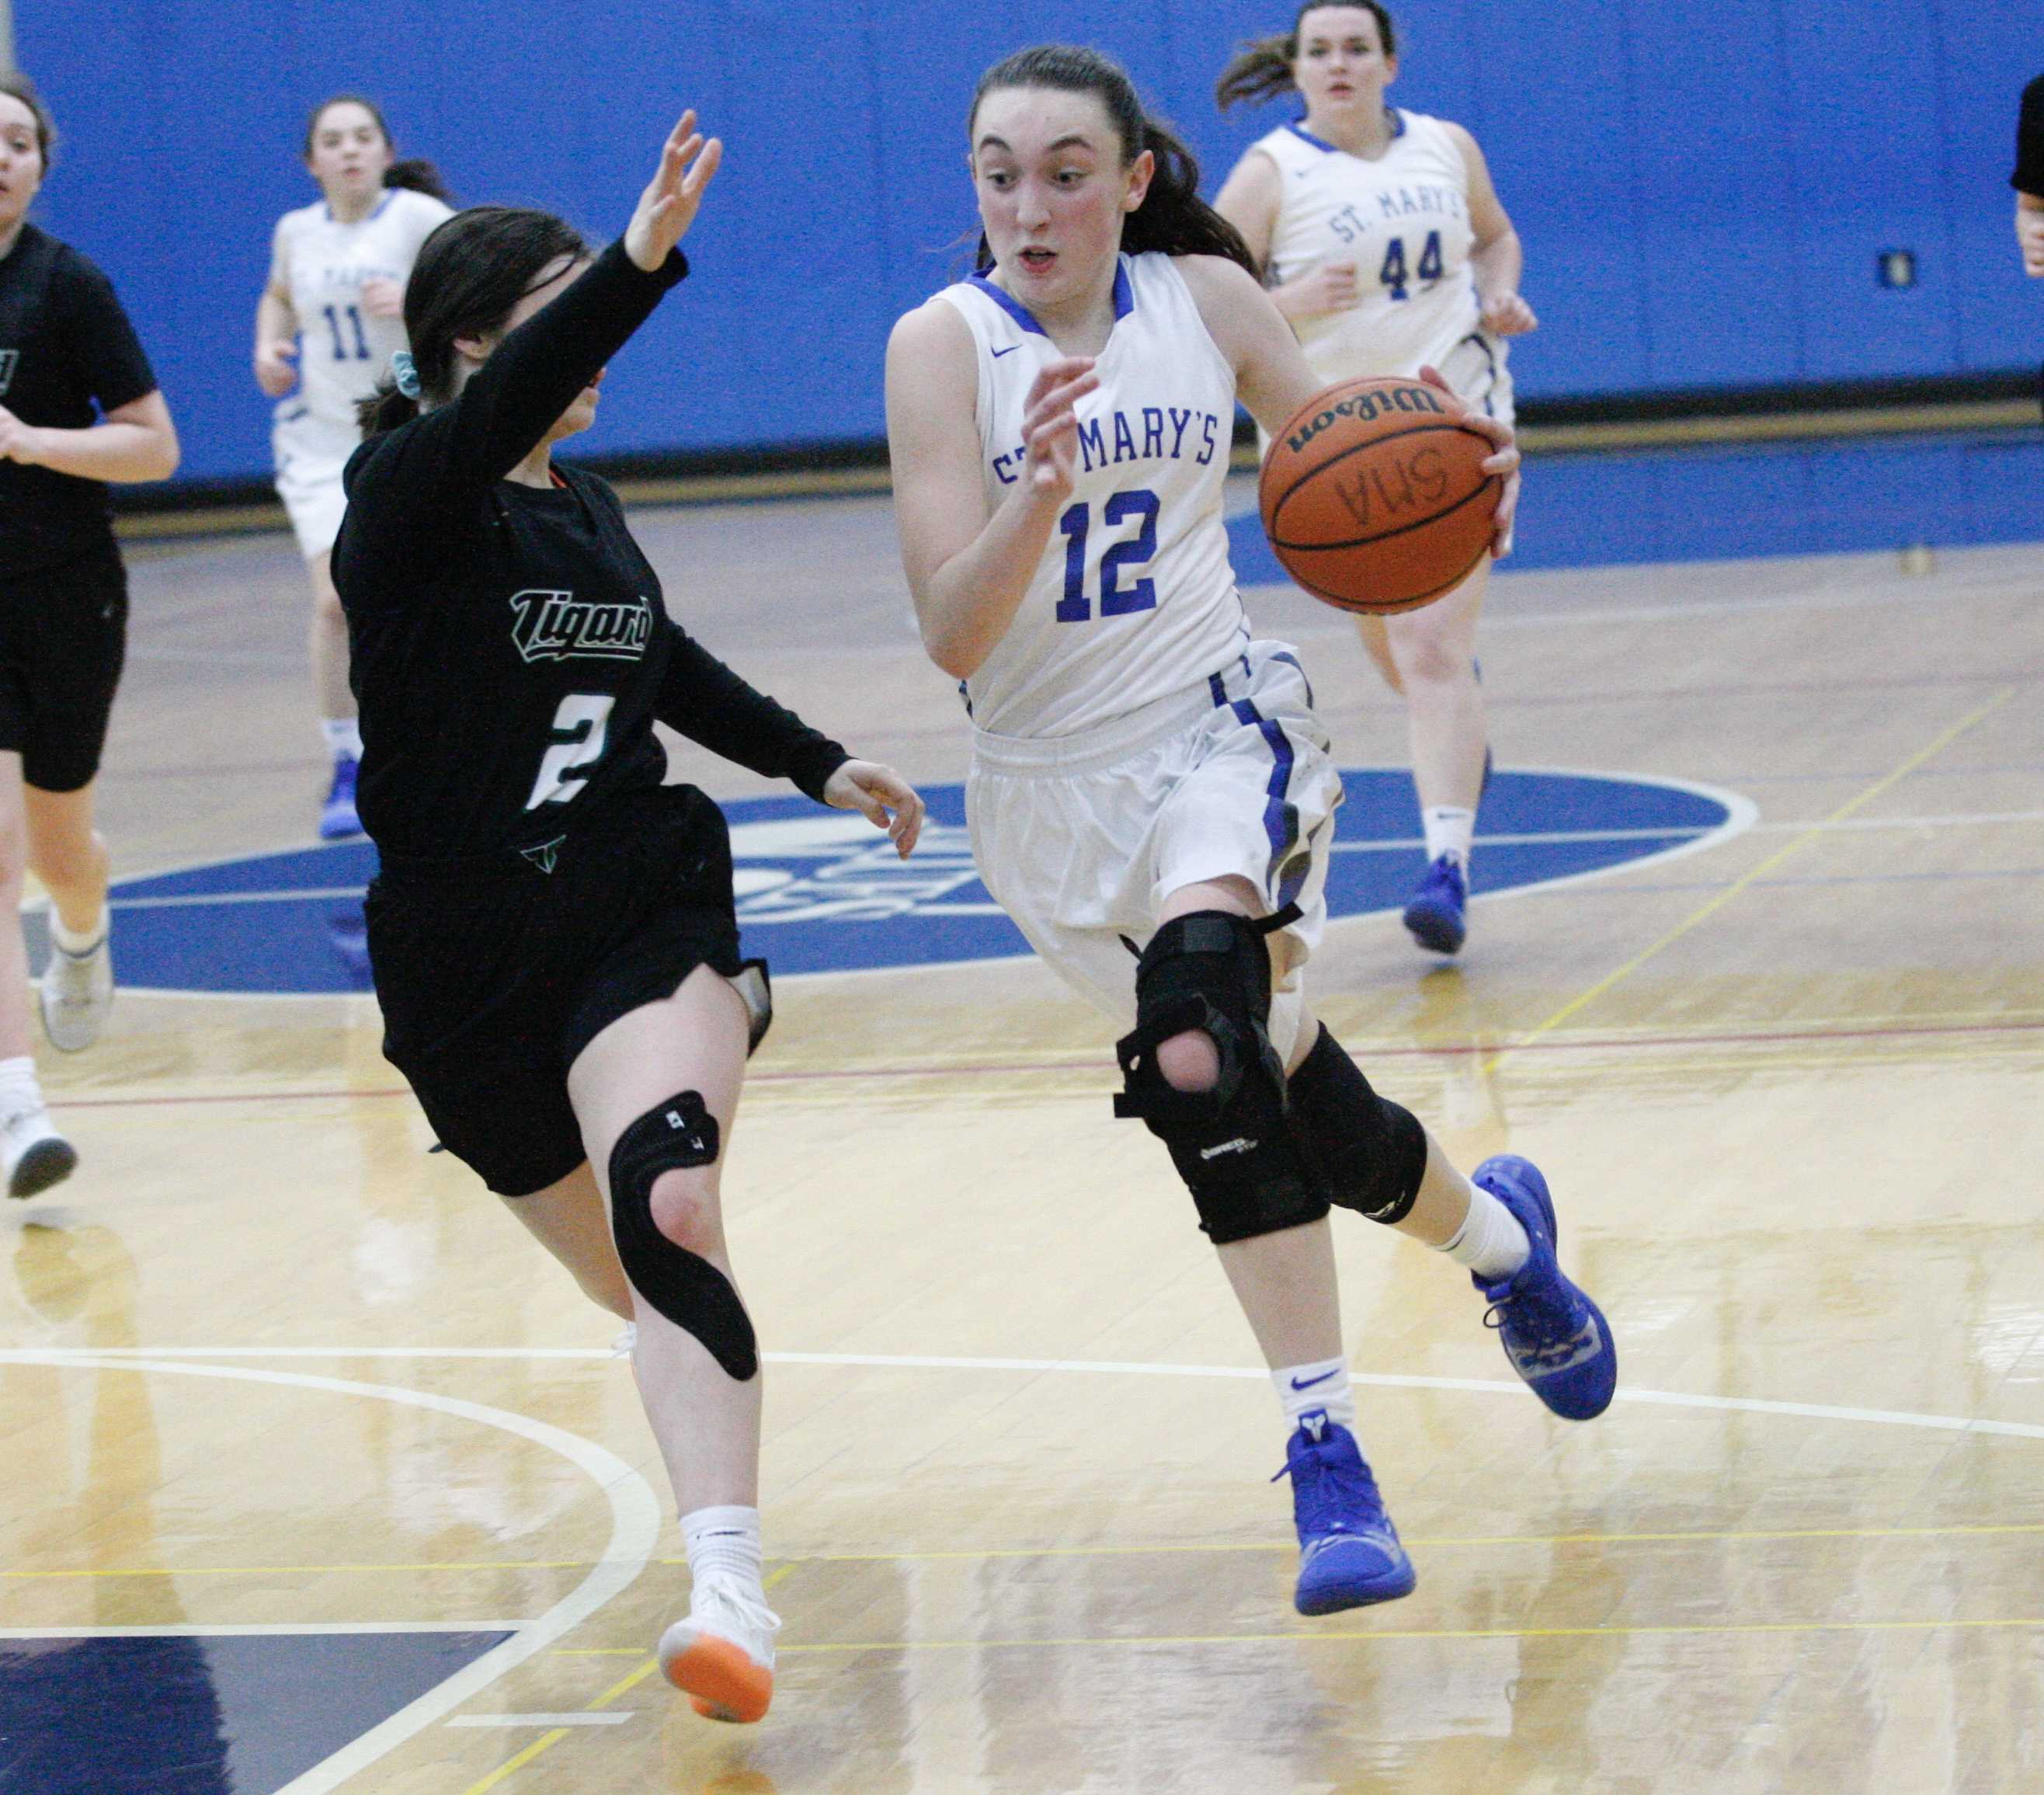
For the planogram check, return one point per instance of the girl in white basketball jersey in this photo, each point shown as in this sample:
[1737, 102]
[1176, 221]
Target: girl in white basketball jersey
[334, 305]
[1146, 774]
[1382, 241]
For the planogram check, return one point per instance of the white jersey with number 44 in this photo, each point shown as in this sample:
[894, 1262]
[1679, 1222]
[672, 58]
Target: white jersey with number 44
[343, 352]
[1403, 220]
[1134, 599]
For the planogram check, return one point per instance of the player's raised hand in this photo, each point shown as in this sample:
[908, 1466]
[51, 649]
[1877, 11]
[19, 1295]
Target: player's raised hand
[1504, 462]
[668, 205]
[1050, 423]
[1506, 314]
[882, 797]
[273, 371]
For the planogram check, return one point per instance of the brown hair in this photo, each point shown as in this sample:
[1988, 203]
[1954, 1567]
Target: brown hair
[17, 85]
[420, 176]
[1261, 69]
[1172, 218]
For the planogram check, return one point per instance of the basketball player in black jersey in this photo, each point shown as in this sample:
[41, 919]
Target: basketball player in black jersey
[78, 408]
[552, 932]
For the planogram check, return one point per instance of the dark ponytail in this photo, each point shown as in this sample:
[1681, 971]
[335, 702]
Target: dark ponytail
[470, 275]
[1261, 69]
[418, 176]
[1173, 219]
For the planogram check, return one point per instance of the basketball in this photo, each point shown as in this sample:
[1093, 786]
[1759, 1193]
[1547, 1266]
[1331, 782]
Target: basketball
[1374, 498]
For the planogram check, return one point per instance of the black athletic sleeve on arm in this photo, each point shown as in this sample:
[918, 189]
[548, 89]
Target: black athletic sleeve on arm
[513, 400]
[2028, 175]
[99, 339]
[706, 701]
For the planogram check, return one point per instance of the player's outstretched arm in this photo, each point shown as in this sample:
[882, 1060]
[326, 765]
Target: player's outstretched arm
[970, 564]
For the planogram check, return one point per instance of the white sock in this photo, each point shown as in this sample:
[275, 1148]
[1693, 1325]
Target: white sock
[1322, 1385]
[724, 1542]
[18, 1089]
[1490, 1242]
[1450, 831]
[76, 944]
[344, 737]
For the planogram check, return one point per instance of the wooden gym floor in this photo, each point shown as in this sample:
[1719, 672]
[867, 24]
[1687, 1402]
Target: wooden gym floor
[273, 1373]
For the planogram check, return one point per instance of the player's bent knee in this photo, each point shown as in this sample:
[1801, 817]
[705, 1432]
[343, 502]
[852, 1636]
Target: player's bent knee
[1208, 976]
[1368, 1154]
[678, 1135]
[1189, 1062]
[684, 1205]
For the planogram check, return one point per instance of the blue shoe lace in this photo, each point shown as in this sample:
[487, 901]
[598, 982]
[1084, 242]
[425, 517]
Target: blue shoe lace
[1332, 1488]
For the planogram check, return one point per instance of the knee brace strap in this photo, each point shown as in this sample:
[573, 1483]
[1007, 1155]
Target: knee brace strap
[1370, 1154]
[1232, 1144]
[682, 1285]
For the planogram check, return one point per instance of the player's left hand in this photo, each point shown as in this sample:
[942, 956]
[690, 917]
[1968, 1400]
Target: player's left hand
[383, 298]
[1504, 462]
[2030, 237]
[882, 797]
[18, 441]
[668, 205]
[1506, 314]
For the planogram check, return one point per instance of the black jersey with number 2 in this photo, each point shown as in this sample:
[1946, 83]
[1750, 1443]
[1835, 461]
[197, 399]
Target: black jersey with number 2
[510, 649]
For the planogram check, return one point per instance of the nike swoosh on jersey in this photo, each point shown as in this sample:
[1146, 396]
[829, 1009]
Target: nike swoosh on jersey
[1009, 350]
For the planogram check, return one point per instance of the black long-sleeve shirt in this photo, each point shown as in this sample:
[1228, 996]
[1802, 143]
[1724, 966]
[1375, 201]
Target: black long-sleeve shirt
[510, 648]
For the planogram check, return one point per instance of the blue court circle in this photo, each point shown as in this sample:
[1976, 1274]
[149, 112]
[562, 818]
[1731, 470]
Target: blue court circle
[820, 891]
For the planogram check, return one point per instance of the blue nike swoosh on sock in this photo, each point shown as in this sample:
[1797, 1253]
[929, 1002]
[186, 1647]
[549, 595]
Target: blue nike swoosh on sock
[1309, 1383]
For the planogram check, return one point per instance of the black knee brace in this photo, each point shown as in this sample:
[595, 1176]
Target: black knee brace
[1234, 1145]
[1370, 1154]
[682, 1285]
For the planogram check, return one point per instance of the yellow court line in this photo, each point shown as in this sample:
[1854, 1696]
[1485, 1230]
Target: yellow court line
[623, 1686]
[1303, 1637]
[1795, 845]
[1432, 1542]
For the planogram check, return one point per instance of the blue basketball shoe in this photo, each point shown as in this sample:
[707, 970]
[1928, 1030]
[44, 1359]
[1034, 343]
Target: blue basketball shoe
[1434, 915]
[337, 816]
[1556, 1338]
[1349, 1553]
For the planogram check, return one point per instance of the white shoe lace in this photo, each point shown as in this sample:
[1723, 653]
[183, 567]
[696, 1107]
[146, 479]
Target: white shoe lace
[733, 1611]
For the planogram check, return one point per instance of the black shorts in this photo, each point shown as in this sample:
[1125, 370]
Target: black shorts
[63, 634]
[494, 976]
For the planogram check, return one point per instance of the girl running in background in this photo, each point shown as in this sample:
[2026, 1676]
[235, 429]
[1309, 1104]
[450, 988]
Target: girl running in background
[1145, 774]
[78, 408]
[1381, 241]
[328, 323]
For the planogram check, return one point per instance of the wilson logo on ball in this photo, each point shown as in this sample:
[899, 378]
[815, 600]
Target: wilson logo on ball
[1366, 408]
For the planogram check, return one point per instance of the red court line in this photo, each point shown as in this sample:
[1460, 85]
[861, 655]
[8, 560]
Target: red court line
[991, 1068]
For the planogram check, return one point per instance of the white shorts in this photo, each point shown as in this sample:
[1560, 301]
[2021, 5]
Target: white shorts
[310, 453]
[1478, 370]
[1081, 838]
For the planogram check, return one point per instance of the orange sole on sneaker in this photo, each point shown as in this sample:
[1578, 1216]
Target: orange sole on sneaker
[722, 1681]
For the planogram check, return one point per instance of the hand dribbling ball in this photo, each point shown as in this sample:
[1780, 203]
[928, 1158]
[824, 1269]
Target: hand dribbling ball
[1374, 498]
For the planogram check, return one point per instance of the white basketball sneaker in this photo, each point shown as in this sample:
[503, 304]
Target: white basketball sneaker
[77, 991]
[32, 1154]
[722, 1656]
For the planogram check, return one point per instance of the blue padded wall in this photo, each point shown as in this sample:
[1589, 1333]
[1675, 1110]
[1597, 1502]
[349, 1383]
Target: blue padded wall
[1702, 193]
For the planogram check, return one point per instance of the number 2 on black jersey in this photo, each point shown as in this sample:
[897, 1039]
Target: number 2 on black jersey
[579, 726]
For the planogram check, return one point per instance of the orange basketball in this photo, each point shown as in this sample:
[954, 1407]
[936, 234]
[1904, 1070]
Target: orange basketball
[1374, 498]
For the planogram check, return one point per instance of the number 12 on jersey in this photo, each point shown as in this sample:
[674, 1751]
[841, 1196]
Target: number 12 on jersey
[1125, 556]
